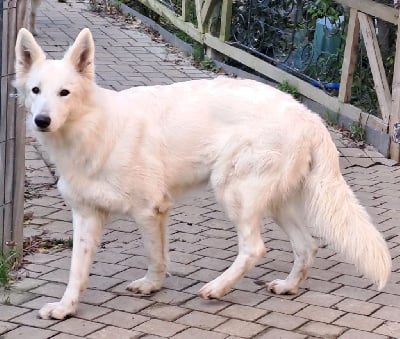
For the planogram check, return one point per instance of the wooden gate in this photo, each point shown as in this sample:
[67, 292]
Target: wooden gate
[13, 15]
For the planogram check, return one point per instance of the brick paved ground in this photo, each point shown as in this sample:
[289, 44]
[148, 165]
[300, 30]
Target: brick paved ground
[335, 302]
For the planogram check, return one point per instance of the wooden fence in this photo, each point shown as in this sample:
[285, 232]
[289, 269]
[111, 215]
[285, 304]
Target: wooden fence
[361, 24]
[13, 15]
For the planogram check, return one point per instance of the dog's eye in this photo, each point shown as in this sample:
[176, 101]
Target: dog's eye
[64, 92]
[36, 90]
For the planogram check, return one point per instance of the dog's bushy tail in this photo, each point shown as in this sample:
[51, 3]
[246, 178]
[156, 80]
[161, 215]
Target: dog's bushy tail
[337, 216]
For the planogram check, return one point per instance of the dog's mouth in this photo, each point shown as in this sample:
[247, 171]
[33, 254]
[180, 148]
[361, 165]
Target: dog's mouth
[43, 130]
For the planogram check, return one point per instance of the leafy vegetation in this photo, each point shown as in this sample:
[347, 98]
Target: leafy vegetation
[285, 86]
[357, 132]
[6, 263]
[331, 118]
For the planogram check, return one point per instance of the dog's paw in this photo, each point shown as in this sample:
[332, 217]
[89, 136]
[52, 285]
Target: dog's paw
[280, 286]
[213, 290]
[144, 286]
[56, 310]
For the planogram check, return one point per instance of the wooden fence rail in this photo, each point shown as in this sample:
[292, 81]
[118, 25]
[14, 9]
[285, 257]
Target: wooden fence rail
[362, 14]
[12, 131]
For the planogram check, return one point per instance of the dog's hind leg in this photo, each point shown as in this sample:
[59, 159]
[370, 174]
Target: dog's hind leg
[291, 219]
[88, 225]
[153, 226]
[251, 245]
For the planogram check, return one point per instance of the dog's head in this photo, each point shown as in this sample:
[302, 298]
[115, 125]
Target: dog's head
[54, 91]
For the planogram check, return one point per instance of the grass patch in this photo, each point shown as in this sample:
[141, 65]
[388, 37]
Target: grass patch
[284, 86]
[357, 132]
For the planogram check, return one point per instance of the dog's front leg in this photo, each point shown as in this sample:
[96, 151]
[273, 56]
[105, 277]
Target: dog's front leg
[154, 234]
[87, 226]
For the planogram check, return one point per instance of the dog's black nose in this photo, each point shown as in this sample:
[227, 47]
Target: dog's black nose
[42, 121]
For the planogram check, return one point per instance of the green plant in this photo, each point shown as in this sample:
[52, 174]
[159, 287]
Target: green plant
[210, 65]
[284, 86]
[357, 131]
[117, 4]
[324, 8]
[6, 263]
[331, 118]
[198, 52]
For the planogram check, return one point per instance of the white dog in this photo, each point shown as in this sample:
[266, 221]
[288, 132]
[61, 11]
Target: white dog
[133, 151]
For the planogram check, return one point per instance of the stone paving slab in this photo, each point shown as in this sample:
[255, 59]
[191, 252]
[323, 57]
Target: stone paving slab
[335, 302]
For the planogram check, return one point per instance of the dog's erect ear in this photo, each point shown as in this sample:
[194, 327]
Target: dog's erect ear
[81, 54]
[27, 52]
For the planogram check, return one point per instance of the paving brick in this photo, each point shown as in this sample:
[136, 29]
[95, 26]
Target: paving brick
[28, 332]
[111, 257]
[51, 289]
[356, 293]
[160, 327]
[6, 326]
[122, 319]
[388, 313]
[182, 257]
[318, 313]
[65, 336]
[164, 312]
[319, 299]
[58, 275]
[39, 258]
[102, 283]
[386, 299]
[178, 283]
[240, 328]
[16, 297]
[243, 312]
[209, 306]
[31, 319]
[360, 322]
[202, 320]
[244, 298]
[275, 333]
[170, 296]
[27, 284]
[357, 306]
[216, 253]
[320, 285]
[105, 269]
[90, 312]
[352, 281]
[389, 328]
[212, 263]
[96, 297]
[283, 321]
[198, 333]
[356, 334]
[76, 326]
[282, 305]
[8, 312]
[114, 332]
[321, 330]
[128, 304]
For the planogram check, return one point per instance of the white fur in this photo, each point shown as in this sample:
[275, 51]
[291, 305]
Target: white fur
[133, 151]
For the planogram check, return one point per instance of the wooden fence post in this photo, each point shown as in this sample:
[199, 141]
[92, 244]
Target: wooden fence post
[395, 109]
[13, 15]
[350, 56]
